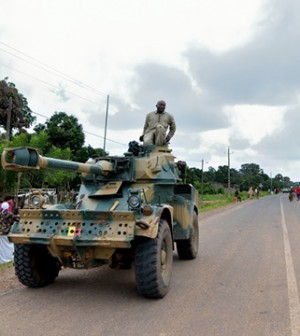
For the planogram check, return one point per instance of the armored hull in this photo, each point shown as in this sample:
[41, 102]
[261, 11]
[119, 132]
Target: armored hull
[131, 210]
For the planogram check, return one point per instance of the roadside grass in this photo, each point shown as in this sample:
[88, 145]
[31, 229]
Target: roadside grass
[7, 265]
[211, 202]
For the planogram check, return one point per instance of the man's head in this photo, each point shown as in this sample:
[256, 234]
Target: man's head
[161, 105]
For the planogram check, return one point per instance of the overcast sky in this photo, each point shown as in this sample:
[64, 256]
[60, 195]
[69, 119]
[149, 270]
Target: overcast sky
[228, 70]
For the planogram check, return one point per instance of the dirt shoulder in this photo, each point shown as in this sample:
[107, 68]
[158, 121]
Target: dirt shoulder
[8, 280]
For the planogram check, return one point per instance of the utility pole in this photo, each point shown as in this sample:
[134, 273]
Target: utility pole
[271, 187]
[8, 120]
[229, 190]
[202, 167]
[106, 117]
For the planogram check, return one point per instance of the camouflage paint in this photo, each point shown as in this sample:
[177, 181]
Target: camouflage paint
[101, 221]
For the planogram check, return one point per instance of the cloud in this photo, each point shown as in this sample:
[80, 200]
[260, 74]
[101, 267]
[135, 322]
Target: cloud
[254, 122]
[61, 93]
[283, 144]
[262, 72]
[227, 70]
[245, 98]
[191, 109]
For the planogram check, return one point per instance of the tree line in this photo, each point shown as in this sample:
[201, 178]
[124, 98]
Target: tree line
[62, 137]
[249, 175]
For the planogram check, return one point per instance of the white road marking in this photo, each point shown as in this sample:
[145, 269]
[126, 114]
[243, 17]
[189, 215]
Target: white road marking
[293, 294]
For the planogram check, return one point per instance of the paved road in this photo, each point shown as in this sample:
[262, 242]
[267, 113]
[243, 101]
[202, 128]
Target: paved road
[244, 282]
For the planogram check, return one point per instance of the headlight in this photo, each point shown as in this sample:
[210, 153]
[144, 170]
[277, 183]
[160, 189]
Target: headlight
[134, 201]
[35, 200]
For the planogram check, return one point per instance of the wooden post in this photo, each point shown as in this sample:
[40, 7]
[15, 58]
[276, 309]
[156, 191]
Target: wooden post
[8, 120]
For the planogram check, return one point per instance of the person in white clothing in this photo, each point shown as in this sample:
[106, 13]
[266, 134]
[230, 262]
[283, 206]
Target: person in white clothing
[6, 247]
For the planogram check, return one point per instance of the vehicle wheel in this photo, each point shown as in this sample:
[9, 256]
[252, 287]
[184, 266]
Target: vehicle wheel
[188, 248]
[153, 263]
[34, 265]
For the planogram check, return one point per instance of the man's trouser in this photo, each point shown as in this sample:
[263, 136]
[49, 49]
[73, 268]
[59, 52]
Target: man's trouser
[156, 136]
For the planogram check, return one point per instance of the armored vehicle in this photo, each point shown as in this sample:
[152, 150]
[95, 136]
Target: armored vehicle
[131, 211]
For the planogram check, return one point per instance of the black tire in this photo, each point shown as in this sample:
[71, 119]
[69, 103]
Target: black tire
[187, 249]
[34, 265]
[154, 262]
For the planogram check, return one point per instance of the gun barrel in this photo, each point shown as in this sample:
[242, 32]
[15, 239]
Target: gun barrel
[24, 158]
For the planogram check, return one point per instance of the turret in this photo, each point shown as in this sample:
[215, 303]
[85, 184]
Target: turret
[149, 163]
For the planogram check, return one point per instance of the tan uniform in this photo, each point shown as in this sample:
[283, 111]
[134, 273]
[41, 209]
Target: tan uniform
[156, 126]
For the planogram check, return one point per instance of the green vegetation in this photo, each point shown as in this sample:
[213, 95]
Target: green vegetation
[249, 175]
[13, 103]
[211, 202]
[7, 265]
[60, 137]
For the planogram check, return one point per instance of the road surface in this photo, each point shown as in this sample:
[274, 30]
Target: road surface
[244, 282]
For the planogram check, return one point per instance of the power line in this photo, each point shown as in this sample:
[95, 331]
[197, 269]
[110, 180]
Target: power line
[86, 132]
[46, 68]
[53, 71]
[74, 81]
[47, 83]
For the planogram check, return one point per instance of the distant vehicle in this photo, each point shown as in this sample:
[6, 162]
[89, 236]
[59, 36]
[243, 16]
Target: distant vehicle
[286, 190]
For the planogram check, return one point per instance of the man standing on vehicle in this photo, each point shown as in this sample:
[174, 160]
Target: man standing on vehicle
[156, 126]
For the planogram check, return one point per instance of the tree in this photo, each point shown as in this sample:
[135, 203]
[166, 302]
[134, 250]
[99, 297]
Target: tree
[222, 174]
[265, 181]
[235, 177]
[10, 181]
[84, 153]
[30, 178]
[250, 169]
[11, 99]
[252, 175]
[49, 177]
[210, 175]
[40, 141]
[7, 178]
[193, 175]
[287, 182]
[278, 181]
[64, 131]
[61, 178]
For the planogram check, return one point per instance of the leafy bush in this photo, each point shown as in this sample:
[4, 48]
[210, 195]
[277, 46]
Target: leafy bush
[221, 190]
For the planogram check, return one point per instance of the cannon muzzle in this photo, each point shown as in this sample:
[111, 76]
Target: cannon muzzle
[25, 158]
